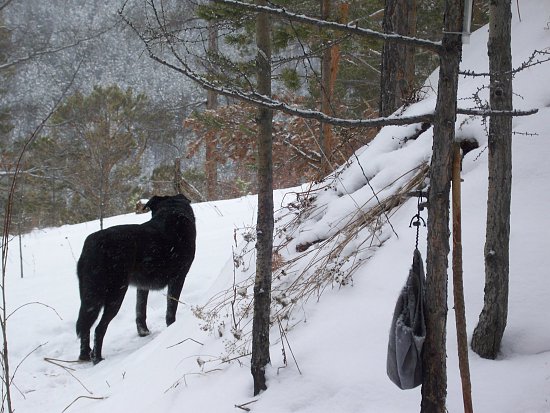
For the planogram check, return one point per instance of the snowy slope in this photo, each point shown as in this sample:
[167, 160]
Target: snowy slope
[339, 342]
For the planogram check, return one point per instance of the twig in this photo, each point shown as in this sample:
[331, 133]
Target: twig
[283, 333]
[31, 303]
[235, 358]
[243, 406]
[68, 370]
[178, 382]
[234, 292]
[82, 397]
[22, 361]
[63, 361]
[183, 341]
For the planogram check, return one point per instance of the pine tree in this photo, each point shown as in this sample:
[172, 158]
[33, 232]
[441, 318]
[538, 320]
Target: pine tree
[102, 137]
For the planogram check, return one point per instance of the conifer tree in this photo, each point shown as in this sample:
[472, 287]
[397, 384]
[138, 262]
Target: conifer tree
[102, 137]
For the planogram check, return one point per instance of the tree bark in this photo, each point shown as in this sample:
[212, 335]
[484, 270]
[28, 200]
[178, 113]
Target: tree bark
[434, 385]
[211, 160]
[327, 90]
[264, 229]
[397, 72]
[488, 334]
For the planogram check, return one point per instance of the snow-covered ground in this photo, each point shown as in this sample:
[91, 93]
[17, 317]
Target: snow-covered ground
[340, 340]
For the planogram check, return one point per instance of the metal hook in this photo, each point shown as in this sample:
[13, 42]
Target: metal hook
[417, 220]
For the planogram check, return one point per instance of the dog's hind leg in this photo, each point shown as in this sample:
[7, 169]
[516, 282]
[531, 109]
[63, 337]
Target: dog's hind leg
[174, 290]
[112, 305]
[141, 312]
[86, 318]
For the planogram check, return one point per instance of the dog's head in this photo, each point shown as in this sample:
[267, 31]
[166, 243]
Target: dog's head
[157, 202]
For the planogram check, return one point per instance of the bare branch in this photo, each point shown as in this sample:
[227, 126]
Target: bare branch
[183, 341]
[23, 360]
[53, 50]
[68, 370]
[347, 28]
[33, 303]
[243, 406]
[253, 97]
[489, 112]
[5, 4]
[82, 397]
[528, 63]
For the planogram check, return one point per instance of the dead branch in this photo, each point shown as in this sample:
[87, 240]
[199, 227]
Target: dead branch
[53, 50]
[82, 397]
[530, 62]
[68, 370]
[283, 335]
[243, 406]
[23, 360]
[184, 378]
[183, 341]
[33, 303]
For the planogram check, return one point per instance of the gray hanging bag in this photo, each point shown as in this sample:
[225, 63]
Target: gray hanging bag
[408, 330]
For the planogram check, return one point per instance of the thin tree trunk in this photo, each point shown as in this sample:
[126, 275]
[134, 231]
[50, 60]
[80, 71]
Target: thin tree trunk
[211, 161]
[398, 67]
[326, 96]
[458, 287]
[264, 231]
[488, 334]
[434, 384]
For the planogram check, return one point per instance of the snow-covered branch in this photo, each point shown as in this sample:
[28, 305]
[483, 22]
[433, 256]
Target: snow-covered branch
[351, 28]
[263, 101]
[252, 97]
[489, 112]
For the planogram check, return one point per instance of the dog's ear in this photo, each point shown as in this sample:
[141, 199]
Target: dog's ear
[183, 198]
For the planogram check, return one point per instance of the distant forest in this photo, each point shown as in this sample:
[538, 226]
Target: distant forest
[108, 125]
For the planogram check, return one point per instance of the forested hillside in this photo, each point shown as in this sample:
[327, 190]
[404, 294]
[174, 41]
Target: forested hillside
[64, 59]
[58, 51]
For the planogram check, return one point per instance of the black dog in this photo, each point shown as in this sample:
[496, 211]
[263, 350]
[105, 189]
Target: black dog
[150, 256]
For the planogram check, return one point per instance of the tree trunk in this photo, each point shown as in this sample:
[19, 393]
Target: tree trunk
[326, 97]
[211, 159]
[434, 384]
[264, 231]
[398, 67]
[492, 320]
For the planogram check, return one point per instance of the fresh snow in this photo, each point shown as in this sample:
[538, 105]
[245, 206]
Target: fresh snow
[339, 341]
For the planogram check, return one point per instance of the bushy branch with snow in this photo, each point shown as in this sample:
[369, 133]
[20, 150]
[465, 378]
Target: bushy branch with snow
[303, 271]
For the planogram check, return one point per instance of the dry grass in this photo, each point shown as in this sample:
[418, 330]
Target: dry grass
[306, 274]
